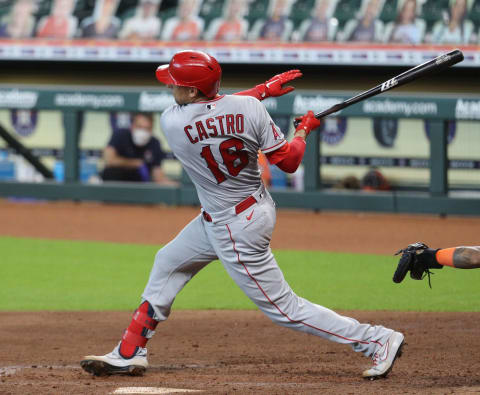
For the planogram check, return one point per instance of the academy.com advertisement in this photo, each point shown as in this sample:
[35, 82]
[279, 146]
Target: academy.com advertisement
[388, 132]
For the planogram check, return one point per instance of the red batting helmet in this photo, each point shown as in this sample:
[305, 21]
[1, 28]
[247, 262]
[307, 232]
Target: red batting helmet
[192, 68]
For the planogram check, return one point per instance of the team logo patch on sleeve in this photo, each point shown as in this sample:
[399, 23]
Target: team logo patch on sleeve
[276, 136]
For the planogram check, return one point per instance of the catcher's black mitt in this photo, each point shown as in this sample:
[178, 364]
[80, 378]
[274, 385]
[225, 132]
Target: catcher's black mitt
[418, 259]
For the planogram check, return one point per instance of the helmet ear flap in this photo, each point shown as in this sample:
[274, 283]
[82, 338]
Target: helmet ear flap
[163, 75]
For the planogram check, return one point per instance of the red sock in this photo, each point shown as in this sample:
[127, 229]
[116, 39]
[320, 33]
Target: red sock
[445, 256]
[135, 334]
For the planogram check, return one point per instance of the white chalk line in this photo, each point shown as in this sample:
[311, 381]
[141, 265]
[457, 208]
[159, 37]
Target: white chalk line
[151, 390]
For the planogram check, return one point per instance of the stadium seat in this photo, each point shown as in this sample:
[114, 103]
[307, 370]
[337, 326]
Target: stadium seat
[164, 14]
[4, 9]
[346, 10]
[125, 5]
[389, 11]
[474, 13]
[43, 8]
[301, 10]
[126, 14]
[83, 9]
[211, 9]
[257, 10]
[432, 11]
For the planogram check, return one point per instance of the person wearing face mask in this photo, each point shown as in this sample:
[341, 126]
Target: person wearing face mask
[135, 154]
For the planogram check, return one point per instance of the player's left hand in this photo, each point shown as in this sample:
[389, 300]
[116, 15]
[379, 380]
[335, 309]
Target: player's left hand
[274, 86]
[307, 122]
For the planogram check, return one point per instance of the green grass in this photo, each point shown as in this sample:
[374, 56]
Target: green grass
[72, 275]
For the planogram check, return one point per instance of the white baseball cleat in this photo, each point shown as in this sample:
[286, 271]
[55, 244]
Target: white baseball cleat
[113, 363]
[385, 357]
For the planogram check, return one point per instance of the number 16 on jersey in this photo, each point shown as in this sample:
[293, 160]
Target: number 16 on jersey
[233, 157]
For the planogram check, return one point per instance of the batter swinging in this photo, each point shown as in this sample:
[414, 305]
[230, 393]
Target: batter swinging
[216, 138]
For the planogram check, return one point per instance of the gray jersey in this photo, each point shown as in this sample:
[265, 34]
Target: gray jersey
[217, 142]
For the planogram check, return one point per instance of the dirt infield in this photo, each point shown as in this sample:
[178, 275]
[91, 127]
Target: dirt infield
[241, 351]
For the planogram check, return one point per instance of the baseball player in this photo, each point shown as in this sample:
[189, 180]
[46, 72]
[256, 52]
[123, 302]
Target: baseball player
[216, 138]
[418, 259]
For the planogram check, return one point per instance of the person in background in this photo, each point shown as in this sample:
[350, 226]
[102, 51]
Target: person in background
[277, 27]
[406, 29]
[367, 28]
[103, 23]
[135, 154]
[20, 22]
[145, 24]
[374, 180]
[321, 26]
[60, 23]
[455, 28]
[187, 25]
[232, 26]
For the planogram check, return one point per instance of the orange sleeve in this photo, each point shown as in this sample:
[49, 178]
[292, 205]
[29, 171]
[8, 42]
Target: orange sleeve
[445, 256]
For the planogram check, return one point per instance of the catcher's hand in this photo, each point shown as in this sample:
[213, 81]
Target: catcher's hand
[418, 259]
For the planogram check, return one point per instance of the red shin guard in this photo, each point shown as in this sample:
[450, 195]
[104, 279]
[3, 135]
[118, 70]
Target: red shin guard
[136, 334]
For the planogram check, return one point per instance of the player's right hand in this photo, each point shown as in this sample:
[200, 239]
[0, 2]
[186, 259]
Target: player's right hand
[307, 122]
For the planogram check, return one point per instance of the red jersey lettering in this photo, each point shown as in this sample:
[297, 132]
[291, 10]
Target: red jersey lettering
[220, 123]
[202, 133]
[211, 126]
[239, 123]
[230, 121]
[186, 129]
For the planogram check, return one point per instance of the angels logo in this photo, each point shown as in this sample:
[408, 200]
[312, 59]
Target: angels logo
[24, 121]
[333, 130]
[276, 136]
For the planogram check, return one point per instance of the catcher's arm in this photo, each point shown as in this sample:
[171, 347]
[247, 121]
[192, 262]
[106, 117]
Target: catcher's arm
[465, 257]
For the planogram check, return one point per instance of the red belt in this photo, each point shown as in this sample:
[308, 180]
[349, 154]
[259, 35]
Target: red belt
[239, 208]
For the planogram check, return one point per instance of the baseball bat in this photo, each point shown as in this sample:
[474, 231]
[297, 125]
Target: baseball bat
[439, 63]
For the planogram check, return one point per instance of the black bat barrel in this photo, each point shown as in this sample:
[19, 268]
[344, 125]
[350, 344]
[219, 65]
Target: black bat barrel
[432, 66]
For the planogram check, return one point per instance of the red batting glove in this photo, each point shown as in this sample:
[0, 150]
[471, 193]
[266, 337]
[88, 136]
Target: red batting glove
[308, 122]
[274, 86]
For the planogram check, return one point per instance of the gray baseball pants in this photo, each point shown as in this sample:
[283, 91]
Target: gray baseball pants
[242, 243]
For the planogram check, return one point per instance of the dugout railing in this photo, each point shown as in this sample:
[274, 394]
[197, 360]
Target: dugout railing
[72, 102]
